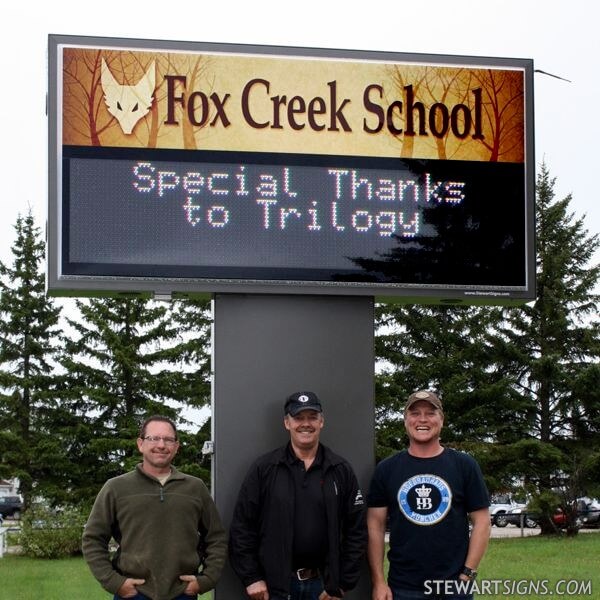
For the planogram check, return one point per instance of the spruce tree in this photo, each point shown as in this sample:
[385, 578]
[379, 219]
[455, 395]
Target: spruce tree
[552, 350]
[552, 346]
[521, 386]
[127, 359]
[447, 349]
[29, 341]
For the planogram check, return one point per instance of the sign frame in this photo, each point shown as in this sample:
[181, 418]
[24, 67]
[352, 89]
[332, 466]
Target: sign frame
[60, 283]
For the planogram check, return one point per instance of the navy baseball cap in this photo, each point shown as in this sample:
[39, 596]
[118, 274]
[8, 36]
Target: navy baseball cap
[302, 401]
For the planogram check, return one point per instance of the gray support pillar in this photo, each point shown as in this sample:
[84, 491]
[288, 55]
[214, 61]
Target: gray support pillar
[265, 348]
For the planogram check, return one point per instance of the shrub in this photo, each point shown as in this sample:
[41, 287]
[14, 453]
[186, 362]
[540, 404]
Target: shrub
[47, 533]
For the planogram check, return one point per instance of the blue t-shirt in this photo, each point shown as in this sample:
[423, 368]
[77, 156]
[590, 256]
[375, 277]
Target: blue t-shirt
[428, 501]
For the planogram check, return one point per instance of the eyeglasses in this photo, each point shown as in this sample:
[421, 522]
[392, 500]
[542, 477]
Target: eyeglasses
[155, 439]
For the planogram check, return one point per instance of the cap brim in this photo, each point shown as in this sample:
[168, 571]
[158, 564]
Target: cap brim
[295, 411]
[409, 404]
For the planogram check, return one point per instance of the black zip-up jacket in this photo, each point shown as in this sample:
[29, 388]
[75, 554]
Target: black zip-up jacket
[262, 529]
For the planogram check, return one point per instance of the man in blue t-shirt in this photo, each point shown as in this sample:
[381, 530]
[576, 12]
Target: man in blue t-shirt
[428, 492]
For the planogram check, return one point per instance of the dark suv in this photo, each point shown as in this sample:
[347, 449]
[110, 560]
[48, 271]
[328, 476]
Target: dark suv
[11, 506]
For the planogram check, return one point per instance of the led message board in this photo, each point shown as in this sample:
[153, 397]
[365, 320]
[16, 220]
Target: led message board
[182, 168]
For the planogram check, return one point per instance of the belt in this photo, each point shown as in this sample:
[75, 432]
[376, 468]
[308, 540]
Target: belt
[304, 574]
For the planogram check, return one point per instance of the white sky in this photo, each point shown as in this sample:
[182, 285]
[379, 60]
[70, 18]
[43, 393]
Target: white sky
[562, 38]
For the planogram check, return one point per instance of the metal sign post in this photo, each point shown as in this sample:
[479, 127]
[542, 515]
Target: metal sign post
[267, 347]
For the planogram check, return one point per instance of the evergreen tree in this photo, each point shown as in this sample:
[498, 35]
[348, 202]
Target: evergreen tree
[29, 337]
[446, 349]
[552, 350]
[552, 347]
[521, 386]
[128, 359]
[193, 320]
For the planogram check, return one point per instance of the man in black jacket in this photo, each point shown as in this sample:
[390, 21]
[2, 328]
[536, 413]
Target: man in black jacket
[298, 530]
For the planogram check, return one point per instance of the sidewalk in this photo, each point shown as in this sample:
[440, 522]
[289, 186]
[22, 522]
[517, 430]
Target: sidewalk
[510, 531]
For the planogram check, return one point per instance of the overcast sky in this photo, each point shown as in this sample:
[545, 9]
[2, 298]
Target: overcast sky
[561, 37]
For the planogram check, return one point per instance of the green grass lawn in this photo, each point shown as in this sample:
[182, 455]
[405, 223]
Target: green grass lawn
[544, 559]
[28, 579]
[24, 578]
[533, 559]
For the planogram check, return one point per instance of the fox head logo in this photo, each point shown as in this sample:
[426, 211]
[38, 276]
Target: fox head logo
[128, 103]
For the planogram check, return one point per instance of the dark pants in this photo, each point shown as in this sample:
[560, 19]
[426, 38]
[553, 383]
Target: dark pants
[309, 589]
[140, 596]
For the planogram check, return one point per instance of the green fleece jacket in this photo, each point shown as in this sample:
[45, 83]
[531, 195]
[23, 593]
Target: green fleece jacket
[162, 532]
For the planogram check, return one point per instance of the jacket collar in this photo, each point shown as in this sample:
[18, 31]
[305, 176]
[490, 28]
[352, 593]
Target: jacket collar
[330, 459]
[291, 458]
[175, 474]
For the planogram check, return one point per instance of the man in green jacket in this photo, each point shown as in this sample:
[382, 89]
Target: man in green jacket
[171, 543]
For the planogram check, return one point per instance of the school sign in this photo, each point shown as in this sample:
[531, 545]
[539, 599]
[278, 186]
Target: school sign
[194, 168]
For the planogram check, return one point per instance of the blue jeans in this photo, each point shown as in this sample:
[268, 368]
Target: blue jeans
[140, 596]
[309, 589]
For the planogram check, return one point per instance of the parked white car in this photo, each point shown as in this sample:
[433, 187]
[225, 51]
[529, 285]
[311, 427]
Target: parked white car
[501, 505]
